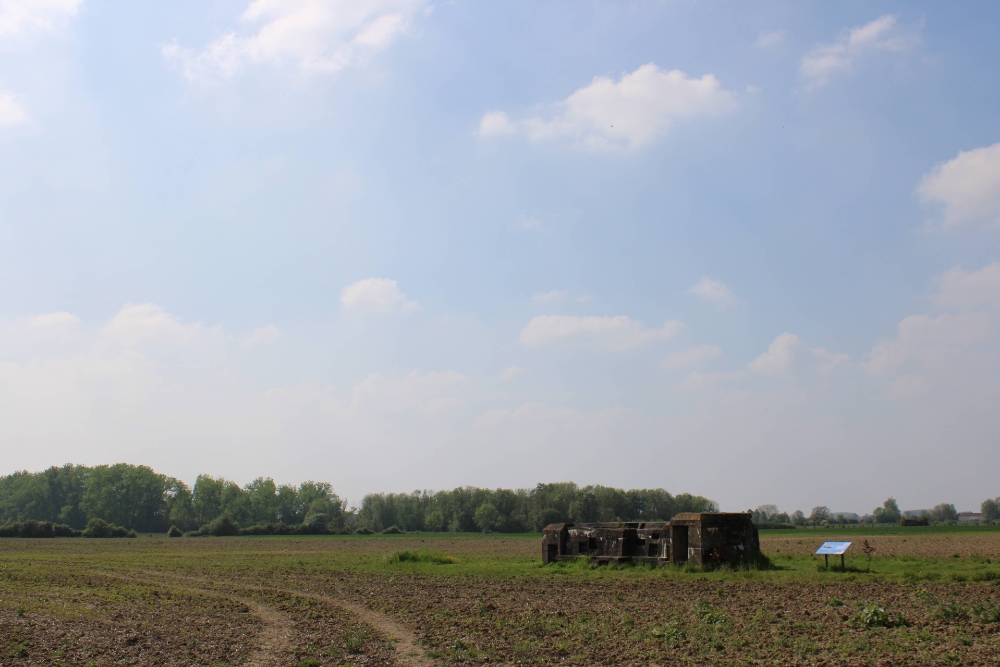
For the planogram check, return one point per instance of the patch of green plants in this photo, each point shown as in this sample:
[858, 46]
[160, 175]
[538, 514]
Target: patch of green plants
[410, 556]
[873, 615]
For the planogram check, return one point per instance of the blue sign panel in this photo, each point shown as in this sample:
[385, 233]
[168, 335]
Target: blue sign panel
[832, 548]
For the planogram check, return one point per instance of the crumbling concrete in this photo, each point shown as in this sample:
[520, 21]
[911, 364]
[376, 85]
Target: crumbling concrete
[697, 538]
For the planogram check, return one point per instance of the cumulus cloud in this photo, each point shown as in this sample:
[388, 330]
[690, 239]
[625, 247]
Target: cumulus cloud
[149, 322]
[959, 289]
[613, 333]
[788, 355]
[967, 187]
[623, 115]
[827, 60]
[20, 17]
[11, 112]
[265, 335]
[310, 35]
[693, 356]
[925, 342]
[714, 292]
[376, 295]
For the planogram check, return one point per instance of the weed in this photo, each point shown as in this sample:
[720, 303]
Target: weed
[834, 602]
[309, 662]
[354, 641]
[708, 614]
[873, 615]
[953, 611]
[408, 556]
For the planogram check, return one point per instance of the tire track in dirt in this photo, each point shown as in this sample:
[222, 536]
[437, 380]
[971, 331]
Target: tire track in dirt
[406, 645]
[276, 628]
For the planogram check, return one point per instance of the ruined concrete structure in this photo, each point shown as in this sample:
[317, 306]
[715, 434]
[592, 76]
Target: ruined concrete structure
[697, 538]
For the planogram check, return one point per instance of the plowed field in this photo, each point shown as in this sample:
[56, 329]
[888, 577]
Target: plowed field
[339, 601]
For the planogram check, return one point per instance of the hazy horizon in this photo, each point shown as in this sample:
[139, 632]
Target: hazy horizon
[750, 252]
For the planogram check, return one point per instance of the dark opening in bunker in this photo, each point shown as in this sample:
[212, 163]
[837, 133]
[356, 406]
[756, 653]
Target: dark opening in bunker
[680, 543]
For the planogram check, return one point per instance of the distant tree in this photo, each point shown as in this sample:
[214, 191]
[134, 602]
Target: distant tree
[765, 513]
[990, 509]
[798, 518]
[819, 514]
[943, 513]
[134, 497]
[888, 513]
[487, 517]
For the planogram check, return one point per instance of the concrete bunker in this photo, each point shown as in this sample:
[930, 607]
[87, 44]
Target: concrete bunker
[698, 538]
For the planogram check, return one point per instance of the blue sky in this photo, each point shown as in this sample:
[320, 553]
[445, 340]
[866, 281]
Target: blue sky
[744, 251]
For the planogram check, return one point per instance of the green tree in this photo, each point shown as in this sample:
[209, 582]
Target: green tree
[888, 513]
[487, 517]
[943, 513]
[127, 495]
[990, 509]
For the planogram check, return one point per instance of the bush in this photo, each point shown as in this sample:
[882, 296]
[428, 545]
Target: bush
[393, 530]
[874, 615]
[36, 529]
[408, 556]
[100, 528]
[175, 532]
[222, 526]
[770, 525]
[363, 531]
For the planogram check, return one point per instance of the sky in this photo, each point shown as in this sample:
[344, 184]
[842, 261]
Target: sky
[747, 251]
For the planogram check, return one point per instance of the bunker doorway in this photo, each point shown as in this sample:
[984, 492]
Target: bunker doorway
[679, 544]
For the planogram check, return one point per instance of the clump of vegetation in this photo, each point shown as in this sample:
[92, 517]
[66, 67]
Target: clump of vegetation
[409, 556]
[354, 641]
[708, 614]
[363, 531]
[953, 611]
[175, 532]
[220, 527]
[671, 632]
[873, 615]
[37, 529]
[393, 530]
[101, 528]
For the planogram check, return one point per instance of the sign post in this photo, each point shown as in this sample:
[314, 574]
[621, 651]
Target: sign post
[834, 549]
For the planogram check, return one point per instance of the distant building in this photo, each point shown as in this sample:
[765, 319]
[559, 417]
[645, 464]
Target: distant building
[969, 517]
[697, 538]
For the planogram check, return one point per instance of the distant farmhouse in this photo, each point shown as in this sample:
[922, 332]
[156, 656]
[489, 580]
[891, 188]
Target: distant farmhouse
[969, 517]
[697, 538]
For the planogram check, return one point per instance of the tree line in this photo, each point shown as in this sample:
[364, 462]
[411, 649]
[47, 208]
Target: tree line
[888, 513]
[138, 498]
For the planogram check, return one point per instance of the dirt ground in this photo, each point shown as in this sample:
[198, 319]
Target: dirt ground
[311, 602]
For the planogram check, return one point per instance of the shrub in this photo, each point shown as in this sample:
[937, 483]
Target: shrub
[363, 531]
[62, 530]
[393, 530]
[101, 528]
[408, 556]
[175, 532]
[222, 526]
[36, 529]
[873, 615]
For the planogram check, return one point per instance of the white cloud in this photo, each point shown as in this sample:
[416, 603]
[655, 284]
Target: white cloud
[789, 355]
[969, 290]
[693, 356]
[613, 333]
[266, 335]
[827, 60]
[714, 292]
[310, 35]
[149, 322]
[622, 115]
[11, 112]
[376, 295]
[967, 186]
[928, 342]
[770, 38]
[19, 17]
[510, 373]
[549, 297]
